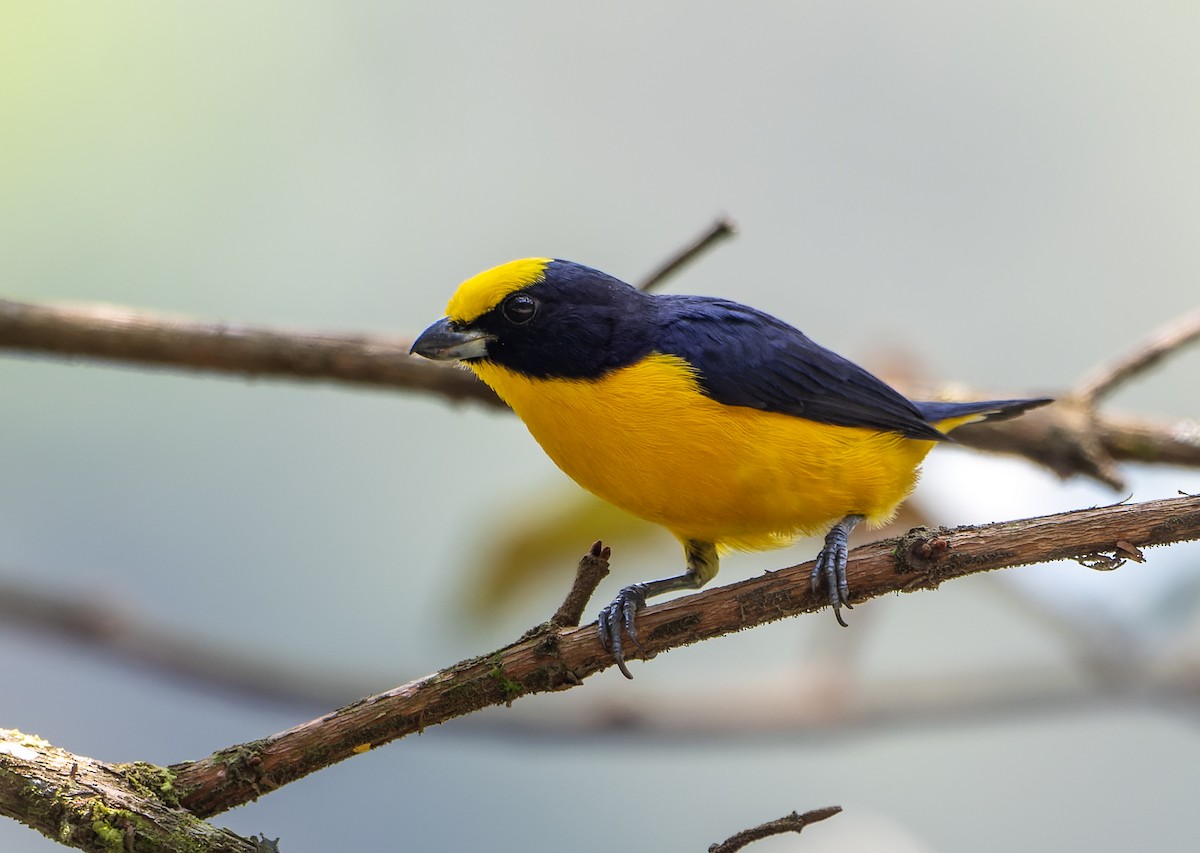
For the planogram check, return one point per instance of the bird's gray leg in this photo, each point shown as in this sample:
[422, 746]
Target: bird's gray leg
[830, 567]
[702, 564]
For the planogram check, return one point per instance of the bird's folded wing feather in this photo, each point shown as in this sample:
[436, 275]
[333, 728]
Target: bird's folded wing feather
[745, 357]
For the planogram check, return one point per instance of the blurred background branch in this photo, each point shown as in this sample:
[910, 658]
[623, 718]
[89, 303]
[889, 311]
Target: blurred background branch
[1070, 438]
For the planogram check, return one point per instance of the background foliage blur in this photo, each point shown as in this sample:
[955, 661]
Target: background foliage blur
[1007, 193]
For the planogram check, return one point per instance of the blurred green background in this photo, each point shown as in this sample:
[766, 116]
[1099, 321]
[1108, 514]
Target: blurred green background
[1006, 193]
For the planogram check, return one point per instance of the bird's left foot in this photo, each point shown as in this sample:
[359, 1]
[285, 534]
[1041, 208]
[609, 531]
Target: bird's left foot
[830, 568]
[620, 616]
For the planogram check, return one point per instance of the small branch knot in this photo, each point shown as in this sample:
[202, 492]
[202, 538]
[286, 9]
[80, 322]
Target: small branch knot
[929, 550]
[919, 552]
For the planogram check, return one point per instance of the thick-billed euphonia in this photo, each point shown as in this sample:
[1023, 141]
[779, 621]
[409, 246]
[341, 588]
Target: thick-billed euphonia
[720, 422]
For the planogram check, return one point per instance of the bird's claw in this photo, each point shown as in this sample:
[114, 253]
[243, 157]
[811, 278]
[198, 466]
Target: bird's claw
[829, 571]
[620, 615]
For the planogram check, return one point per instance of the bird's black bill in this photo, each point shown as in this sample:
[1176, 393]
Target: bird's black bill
[446, 341]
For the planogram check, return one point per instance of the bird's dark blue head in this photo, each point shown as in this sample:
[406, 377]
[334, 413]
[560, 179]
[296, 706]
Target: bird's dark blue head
[544, 318]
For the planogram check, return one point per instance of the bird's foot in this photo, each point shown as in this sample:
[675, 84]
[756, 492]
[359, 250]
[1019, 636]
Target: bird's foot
[829, 570]
[619, 616]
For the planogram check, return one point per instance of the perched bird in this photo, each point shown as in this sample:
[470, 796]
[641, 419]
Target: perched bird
[720, 422]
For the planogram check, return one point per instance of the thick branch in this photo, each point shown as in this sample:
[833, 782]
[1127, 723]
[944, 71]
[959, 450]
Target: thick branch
[100, 807]
[1054, 437]
[548, 659]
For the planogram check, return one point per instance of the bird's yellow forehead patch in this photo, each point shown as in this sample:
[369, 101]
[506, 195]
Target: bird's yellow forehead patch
[476, 296]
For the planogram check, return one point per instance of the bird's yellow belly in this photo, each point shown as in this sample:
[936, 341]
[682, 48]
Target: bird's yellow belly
[646, 439]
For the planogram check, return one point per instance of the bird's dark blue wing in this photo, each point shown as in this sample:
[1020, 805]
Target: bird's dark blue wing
[746, 357]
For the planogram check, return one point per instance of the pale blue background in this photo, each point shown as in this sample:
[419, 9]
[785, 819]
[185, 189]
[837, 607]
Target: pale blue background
[1009, 192]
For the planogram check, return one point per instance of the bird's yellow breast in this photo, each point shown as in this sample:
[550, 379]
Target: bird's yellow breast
[644, 437]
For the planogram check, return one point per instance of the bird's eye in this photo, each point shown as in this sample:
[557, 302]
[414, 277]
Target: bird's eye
[519, 309]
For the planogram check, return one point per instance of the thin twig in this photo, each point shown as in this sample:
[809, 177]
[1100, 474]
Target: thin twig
[555, 660]
[1106, 378]
[793, 822]
[593, 568]
[1091, 454]
[719, 230]
[1057, 435]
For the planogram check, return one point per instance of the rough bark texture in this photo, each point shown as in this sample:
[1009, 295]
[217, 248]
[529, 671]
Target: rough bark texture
[94, 806]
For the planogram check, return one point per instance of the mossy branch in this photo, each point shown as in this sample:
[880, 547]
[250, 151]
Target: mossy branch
[105, 808]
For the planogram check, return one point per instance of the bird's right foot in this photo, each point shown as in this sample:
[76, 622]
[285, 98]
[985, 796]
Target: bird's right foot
[829, 570]
[620, 616]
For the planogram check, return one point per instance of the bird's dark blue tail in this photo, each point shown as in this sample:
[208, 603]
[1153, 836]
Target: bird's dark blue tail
[988, 410]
